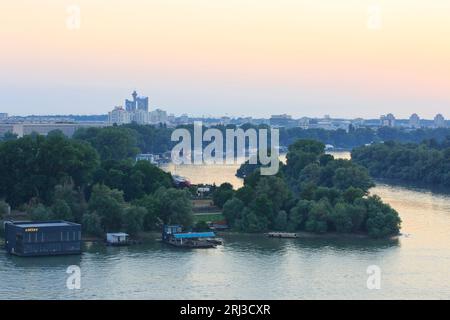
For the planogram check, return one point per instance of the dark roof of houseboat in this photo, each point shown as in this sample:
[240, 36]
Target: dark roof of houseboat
[194, 235]
[42, 224]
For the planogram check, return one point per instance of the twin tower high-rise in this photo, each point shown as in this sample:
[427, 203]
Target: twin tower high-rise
[138, 103]
[136, 110]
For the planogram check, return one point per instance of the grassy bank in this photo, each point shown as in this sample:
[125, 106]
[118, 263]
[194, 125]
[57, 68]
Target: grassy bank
[216, 216]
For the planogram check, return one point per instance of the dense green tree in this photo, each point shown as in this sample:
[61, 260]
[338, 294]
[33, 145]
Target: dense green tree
[275, 189]
[340, 218]
[222, 194]
[8, 136]
[151, 219]
[134, 179]
[301, 154]
[318, 217]
[232, 210]
[298, 215]
[92, 224]
[281, 221]
[175, 206]
[352, 193]
[61, 211]
[133, 220]
[108, 204]
[425, 163]
[264, 209]
[32, 166]
[251, 222]
[353, 176]
[245, 194]
[112, 143]
[3, 208]
[73, 198]
[40, 213]
[382, 220]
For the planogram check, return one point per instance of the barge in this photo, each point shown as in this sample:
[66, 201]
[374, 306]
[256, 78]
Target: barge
[173, 235]
[282, 235]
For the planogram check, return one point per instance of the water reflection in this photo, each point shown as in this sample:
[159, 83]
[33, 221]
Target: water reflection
[16, 262]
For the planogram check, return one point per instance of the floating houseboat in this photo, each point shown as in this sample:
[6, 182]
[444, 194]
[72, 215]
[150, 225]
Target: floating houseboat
[174, 235]
[42, 238]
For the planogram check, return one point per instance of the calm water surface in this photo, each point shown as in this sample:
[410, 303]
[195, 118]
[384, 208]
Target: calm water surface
[417, 265]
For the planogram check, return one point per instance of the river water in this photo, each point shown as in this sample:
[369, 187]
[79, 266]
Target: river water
[416, 266]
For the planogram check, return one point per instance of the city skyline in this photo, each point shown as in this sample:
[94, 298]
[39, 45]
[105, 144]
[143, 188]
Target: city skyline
[239, 58]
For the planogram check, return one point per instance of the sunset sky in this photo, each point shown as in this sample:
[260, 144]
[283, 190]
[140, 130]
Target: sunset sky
[227, 57]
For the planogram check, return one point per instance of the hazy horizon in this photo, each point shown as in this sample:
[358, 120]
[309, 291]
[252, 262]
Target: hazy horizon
[349, 59]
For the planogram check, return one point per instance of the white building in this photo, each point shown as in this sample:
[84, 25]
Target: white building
[3, 116]
[387, 120]
[158, 116]
[118, 238]
[119, 116]
[414, 121]
[303, 123]
[140, 117]
[358, 122]
[152, 158]
[439, 121]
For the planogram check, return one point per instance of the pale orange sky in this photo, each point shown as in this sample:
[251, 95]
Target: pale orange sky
[236, 57]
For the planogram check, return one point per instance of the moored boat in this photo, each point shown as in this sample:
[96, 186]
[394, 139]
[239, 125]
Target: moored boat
[173, 235]
[282, 235]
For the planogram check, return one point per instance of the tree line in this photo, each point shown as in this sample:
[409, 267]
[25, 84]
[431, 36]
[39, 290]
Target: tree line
[427, 162]
[132, 138]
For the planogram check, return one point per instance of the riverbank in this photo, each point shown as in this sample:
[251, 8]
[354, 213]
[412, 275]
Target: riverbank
[150, 236]
[310, 235]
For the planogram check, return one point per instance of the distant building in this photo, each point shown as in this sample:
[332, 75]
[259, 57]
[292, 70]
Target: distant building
[280, 120]
[387, 120]
[183, 119]
[138, 103]
[158, 116]
[414, 121]
[303, 123]
[23, 129]
[358, 122]
[439, 121]
[152, 158]
[136, 110]
[3, 116]
[325, 124]
[225, 120]
[140, 116]
[119, 116]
